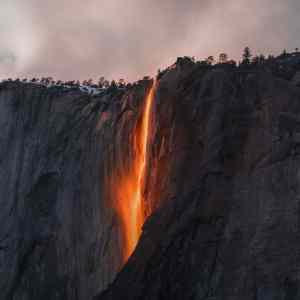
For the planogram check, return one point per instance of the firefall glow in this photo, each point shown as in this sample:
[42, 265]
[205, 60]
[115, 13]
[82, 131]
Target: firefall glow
[130, 204]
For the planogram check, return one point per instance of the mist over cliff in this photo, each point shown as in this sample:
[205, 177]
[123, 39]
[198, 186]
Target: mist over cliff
[220, 187]
[72, 39]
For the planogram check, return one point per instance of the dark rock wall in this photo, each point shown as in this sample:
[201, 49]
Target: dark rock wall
[58, 237]
[224, 173]
[223, 185]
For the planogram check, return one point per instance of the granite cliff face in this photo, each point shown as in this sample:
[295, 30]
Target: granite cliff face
[223, 183]
[224, 174]
[59, 238]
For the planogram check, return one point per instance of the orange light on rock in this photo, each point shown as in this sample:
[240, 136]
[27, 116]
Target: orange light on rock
[130, 202]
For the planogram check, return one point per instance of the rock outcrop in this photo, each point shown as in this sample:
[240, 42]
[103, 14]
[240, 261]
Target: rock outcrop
[223, 184]
[59, 238]
[224, 174]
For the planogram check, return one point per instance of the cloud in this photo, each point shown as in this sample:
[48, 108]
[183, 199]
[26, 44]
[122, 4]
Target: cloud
[7, 58]
[72, 39]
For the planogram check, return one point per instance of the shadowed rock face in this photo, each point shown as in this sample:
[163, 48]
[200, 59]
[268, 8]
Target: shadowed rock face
[224, 173]
[59, 238]
[223, 181]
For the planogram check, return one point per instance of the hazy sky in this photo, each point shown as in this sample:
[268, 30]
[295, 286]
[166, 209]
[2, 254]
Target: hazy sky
[75, 39]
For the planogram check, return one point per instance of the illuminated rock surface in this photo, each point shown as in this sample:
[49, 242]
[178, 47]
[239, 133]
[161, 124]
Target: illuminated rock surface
[223, 177]
[225, 169]
[58, 237]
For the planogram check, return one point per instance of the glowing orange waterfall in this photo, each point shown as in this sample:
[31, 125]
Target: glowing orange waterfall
[130, 206]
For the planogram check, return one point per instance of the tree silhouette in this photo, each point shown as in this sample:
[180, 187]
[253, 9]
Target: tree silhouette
[284, 53]
[121, 82]
[262, 59]
[101, 82]
[223, 58]
[210, 60]
[105, 84]
[246, 56]
[113, 83]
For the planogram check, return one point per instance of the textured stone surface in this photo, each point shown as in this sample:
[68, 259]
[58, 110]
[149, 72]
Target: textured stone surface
[296, 78]
[58, 237]
[223, 183]
[225, 176]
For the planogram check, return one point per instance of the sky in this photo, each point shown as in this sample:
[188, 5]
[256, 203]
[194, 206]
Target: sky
[75, 39]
